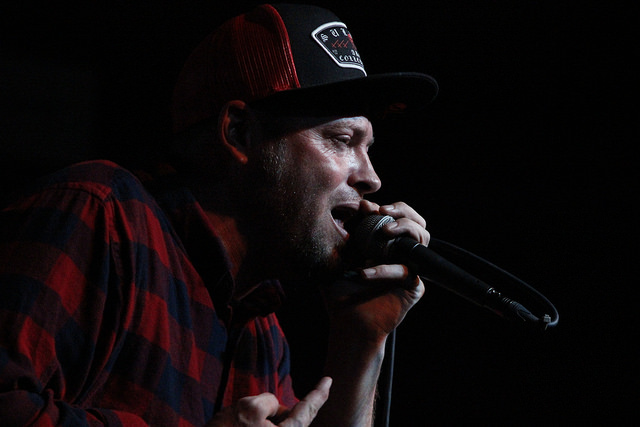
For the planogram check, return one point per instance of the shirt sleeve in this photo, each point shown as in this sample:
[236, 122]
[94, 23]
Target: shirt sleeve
[261, 363]
[55, 332]
[286, 393]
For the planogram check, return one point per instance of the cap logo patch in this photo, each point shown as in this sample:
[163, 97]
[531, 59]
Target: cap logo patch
[335, 39]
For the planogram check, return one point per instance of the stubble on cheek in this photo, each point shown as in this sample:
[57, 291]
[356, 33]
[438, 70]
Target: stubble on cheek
[298, 215]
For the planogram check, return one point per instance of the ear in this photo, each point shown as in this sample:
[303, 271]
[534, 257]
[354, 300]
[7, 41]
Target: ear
[233, 125]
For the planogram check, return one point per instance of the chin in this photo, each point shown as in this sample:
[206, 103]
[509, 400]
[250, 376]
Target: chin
[319, 262]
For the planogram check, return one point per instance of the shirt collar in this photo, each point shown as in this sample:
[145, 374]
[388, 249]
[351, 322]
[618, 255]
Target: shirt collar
[207, 254]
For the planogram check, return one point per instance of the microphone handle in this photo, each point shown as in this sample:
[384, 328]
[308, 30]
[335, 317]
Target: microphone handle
[436, 269]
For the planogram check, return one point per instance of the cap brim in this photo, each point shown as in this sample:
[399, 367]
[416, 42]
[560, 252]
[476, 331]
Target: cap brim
[377, 96]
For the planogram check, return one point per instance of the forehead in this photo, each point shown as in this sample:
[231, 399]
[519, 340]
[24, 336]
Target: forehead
[356, 123]
[298, 123]
[282, 124]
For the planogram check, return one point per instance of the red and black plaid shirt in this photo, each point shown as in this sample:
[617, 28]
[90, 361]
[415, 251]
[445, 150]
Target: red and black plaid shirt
[115, 311]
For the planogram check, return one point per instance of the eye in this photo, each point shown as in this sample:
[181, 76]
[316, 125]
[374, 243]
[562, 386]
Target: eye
[343, 139]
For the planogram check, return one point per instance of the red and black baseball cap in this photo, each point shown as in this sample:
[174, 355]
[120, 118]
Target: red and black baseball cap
[290, 57]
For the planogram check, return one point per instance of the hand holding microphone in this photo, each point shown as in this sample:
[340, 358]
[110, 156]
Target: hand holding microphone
[369, 242]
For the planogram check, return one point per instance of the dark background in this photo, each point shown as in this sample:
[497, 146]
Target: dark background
[525, 159]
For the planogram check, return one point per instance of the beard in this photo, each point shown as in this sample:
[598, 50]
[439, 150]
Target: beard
[286, 220]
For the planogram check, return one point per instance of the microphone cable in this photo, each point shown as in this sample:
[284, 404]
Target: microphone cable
[478, 266]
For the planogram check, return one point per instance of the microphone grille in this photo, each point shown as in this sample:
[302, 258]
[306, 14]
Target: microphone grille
[364, 239]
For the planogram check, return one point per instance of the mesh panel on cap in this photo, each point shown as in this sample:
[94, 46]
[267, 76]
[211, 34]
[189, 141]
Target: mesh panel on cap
[247, 58]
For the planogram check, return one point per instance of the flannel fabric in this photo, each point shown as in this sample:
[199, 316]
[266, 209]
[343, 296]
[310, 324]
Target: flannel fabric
[115, 311]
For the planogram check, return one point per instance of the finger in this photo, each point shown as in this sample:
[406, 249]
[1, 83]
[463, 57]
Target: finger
[281, 415]
[402, 210]
[306, 410]
[254, 410]
[395, 273]
[407, 222]
[387, 272]
[407, 227]
[367, 207]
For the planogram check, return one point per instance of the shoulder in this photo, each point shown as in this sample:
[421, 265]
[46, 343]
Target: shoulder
[87, 192]
[103, 179]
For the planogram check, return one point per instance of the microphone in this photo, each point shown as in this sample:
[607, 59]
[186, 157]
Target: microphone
[368, 242]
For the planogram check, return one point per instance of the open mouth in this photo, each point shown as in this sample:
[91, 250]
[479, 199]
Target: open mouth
[341, 216]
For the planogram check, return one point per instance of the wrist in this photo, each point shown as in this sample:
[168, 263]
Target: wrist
[365, 331]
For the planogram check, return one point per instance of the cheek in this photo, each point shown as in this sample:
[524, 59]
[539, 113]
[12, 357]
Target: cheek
[310, 186]
[324, 170]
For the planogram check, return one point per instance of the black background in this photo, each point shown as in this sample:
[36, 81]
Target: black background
[525, 159]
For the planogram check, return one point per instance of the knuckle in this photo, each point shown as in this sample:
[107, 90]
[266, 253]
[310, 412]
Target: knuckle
[292, 422]
[247, 404]
[250, 408]
[308, 414]
[400, 205]
[422, 222]
[426, 238]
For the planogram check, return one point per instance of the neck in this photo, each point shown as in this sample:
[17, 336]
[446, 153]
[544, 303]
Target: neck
[247, 270]
[234, 243]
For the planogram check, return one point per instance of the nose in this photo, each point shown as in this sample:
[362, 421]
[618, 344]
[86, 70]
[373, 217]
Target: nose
[363, 177]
